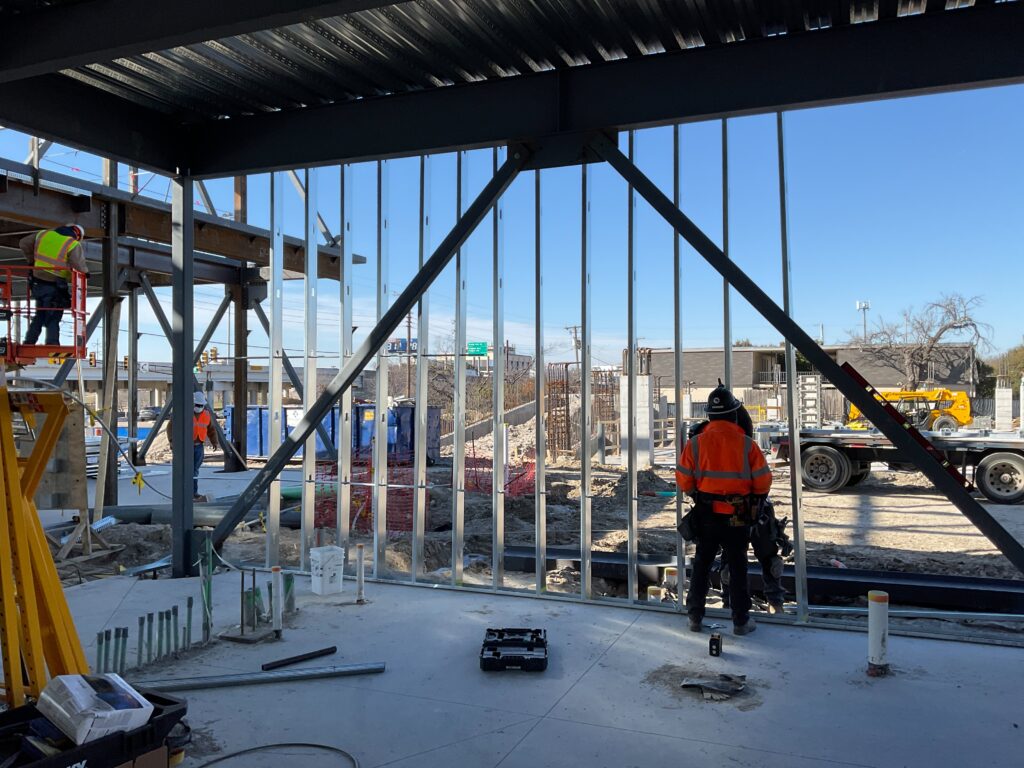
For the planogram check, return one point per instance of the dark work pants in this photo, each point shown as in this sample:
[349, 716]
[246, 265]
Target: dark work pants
[51, 301]
[198, 454]
[767, 553]
[715, 532]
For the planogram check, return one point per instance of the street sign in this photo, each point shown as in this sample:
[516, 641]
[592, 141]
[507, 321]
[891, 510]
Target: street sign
[476, 348]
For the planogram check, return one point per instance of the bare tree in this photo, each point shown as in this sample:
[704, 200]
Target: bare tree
[916, 341]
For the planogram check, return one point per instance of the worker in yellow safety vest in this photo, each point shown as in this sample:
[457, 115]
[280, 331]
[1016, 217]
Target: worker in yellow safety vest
[202, 431]
[53, 253]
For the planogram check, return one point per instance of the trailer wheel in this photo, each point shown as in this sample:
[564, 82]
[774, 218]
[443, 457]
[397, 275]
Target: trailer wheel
[825, 469]
[1000, 477]
[859, 473]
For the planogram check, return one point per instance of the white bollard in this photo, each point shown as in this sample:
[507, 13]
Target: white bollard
[360, 575]
[878, 633]
[277, 580]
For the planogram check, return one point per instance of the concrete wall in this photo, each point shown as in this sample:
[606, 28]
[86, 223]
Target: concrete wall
[513, 418]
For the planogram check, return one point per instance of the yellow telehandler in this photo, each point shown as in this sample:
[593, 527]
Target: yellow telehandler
[926, 409]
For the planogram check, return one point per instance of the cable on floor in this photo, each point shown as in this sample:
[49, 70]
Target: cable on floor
[349, 758]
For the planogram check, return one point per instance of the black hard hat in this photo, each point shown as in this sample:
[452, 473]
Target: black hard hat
[721, 401]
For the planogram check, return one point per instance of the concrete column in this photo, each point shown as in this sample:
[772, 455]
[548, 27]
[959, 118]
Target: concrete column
[643, 433]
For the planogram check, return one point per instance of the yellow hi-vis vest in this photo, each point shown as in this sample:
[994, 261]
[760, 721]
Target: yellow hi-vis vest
[52, 252]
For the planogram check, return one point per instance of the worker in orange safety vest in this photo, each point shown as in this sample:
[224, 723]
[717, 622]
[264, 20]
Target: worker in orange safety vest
[725, 474]
[202, 431]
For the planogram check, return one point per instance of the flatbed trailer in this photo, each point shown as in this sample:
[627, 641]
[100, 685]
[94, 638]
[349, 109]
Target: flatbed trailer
[836, 458]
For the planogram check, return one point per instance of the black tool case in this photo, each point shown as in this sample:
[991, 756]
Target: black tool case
[106, 752]
[513, 648]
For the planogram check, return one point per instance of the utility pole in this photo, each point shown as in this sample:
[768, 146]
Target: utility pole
[863, 307]
[574, 330]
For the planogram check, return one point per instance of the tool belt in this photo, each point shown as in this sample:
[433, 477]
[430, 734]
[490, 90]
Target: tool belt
[767, 527]
[742, 506]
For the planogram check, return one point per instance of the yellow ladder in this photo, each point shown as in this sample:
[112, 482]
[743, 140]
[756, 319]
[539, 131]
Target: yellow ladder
[37, 635]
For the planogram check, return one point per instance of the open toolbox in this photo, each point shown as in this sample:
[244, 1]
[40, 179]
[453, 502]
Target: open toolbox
[514, 648]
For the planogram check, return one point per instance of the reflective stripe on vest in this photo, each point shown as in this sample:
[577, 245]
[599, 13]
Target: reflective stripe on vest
[200, 425]
[51, 253]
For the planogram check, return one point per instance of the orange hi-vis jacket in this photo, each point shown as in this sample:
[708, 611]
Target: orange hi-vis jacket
[200, 423]
[722, 460]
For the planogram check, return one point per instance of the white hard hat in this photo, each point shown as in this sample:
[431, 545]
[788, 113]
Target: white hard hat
[198, 398]
[77, 231]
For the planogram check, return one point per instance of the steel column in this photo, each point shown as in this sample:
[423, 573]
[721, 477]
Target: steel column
[498, 459]
[726, 308]
[419, 508]
[586, 411]
[459, 396]
[464, 226]
[677, 363]
[235, 461]
[106, 475]
[631, 352]
[309, 371]
[540, 491]
[133, 373]
[182, 380]
[347, 197]
[795, 467]
[380, 409]
[292, 374]
[276, 386]
[820, 359]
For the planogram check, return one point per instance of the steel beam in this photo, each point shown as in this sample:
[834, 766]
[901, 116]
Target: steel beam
[347, 205]
[133, 374]
[795, 467]
[499, 460]
[380, 410]
[586, 407]
[540, 517]
[378, 336]
[854, 63]
[820, 359]
[309, 371]
[182, 380]
[293, 375]
[420, 508]
[300, 187]
[113, 29]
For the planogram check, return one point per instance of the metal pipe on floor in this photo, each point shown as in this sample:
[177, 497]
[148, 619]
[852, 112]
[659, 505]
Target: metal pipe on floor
[257, 678]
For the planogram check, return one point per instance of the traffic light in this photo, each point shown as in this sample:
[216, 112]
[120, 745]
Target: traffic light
[213, 354]
[92, 359]
[206, 358]
[126, 362]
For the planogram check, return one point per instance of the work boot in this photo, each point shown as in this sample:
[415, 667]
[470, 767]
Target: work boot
[776, 607]
[745, 629]
[696, 625]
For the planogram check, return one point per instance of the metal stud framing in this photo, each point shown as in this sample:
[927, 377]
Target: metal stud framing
[498, 390]
[420, 509]
[380, 411]
[309, 372]
[459, 396]
[276, 387]
[631, 343]
[345, 352]
[677, 361]
[726, 304]
[586, 411]
[540, 489]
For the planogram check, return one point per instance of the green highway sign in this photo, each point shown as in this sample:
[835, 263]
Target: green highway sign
[476, 348]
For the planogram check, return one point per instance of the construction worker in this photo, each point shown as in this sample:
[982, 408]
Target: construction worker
[53, 253]
[767, 537]
[724, 472]
[201, 432]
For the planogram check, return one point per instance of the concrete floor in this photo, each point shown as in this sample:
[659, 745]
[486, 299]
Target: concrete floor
[608, 698]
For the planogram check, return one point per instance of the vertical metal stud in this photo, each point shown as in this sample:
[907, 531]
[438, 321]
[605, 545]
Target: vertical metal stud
[182, 334]
[309, 371]
[459, 397]
[133, 374]
[275, 399]
[631, 383]
[677, 361]
[345, 352]
[795, 468]
[726, 307]
[499, 458]
[380, 411]
[309, 390]
[586, 412]
[419, 509]
[540, 490]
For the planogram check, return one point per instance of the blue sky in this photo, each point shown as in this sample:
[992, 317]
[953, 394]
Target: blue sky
[894, 202]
